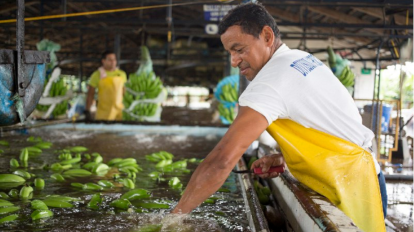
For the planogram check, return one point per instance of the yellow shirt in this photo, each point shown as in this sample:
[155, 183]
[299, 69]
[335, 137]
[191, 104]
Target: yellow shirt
[96, 76]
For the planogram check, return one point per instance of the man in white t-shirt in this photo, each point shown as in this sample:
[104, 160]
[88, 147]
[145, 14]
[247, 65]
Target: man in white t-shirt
[285, 84]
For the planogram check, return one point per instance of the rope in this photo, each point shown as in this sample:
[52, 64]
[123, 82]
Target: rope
[104, 11]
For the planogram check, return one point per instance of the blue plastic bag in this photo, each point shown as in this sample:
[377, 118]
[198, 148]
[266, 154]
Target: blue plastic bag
[234, 79]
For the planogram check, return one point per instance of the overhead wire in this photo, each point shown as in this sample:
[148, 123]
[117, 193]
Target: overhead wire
[107, 11]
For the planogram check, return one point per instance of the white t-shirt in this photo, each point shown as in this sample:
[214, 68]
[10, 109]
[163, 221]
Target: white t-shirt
[296, 85]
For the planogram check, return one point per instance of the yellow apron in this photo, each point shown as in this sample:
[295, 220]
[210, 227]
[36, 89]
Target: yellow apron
[335, 168]
[110, 93]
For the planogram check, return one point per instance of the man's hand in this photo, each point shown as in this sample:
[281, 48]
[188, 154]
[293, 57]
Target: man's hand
[266, 162]
[216, 167]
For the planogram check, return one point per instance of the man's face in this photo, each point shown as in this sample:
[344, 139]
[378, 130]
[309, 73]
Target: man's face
[248, 53]
[109, 63]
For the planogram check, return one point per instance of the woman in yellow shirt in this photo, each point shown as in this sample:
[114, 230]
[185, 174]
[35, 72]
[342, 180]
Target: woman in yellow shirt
[110, 81]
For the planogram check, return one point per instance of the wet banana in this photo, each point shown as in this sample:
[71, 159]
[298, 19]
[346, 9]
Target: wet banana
[95, 200]
[26, 192]
[41, 213]
[7, 178]
[9, 218]
[136, 194]
[77, 173]
[121, 204]
[39, 184]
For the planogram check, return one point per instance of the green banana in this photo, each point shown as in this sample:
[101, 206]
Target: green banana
[56, 203]
[62, 198]
[8, 178]
[71, 161]
[106, 184]
[129, 169]
[100, 167]
[97, 157]
[38, 204]
[163, 163]
[77, 185]
[39, 183]
[154, 175]
[57, 177]
[9, 218]
[33, 150]
[121, 204]
[4, 203]
[43, 145]
[175, 183]
[9, 209]
[77, 173]
[24, 155]
[14, 193]
[136, 194]
[4, 143]
[4, 195]
[92, 186]
[41, 213]
[65, 156]
[34, 139]
[210, 201]
[23, 174]
[331, 58]
[26, 192]
[14, 163]
[128, 183]
[24, 163]
[89, 165]
[78, 149]
[114, 161]
[95, 200]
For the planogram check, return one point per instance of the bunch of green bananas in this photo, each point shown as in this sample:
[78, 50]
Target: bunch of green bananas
[57, 89]
[141, 109]
[229, 93]
[262, 192]
[147, 84]
[347, 77]
[227, 113]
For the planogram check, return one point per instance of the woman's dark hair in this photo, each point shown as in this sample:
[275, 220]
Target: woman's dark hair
[103, 57]
[251, 17]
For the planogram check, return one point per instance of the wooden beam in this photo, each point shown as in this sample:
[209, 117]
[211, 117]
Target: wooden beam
[377, 13]
[278, 13]
[342, 17]
[10, 7]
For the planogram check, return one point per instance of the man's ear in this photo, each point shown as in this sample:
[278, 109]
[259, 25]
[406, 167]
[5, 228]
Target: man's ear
[268, 35]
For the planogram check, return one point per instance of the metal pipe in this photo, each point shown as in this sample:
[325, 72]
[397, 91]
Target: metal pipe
[117, 46]
[169, 22]
[377, 67]
[41, 23]
[80, 60]
[20, 48]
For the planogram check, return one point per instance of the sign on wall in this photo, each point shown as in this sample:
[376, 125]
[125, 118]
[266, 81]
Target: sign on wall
[216, 12]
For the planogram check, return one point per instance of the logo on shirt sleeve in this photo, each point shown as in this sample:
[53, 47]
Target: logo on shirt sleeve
[306, 65]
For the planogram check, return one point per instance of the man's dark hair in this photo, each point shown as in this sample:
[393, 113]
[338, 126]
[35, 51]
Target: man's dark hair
[251, 17]
[103, 57]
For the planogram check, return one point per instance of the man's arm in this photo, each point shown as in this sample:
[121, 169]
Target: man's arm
[90, 97]
[216, 167]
